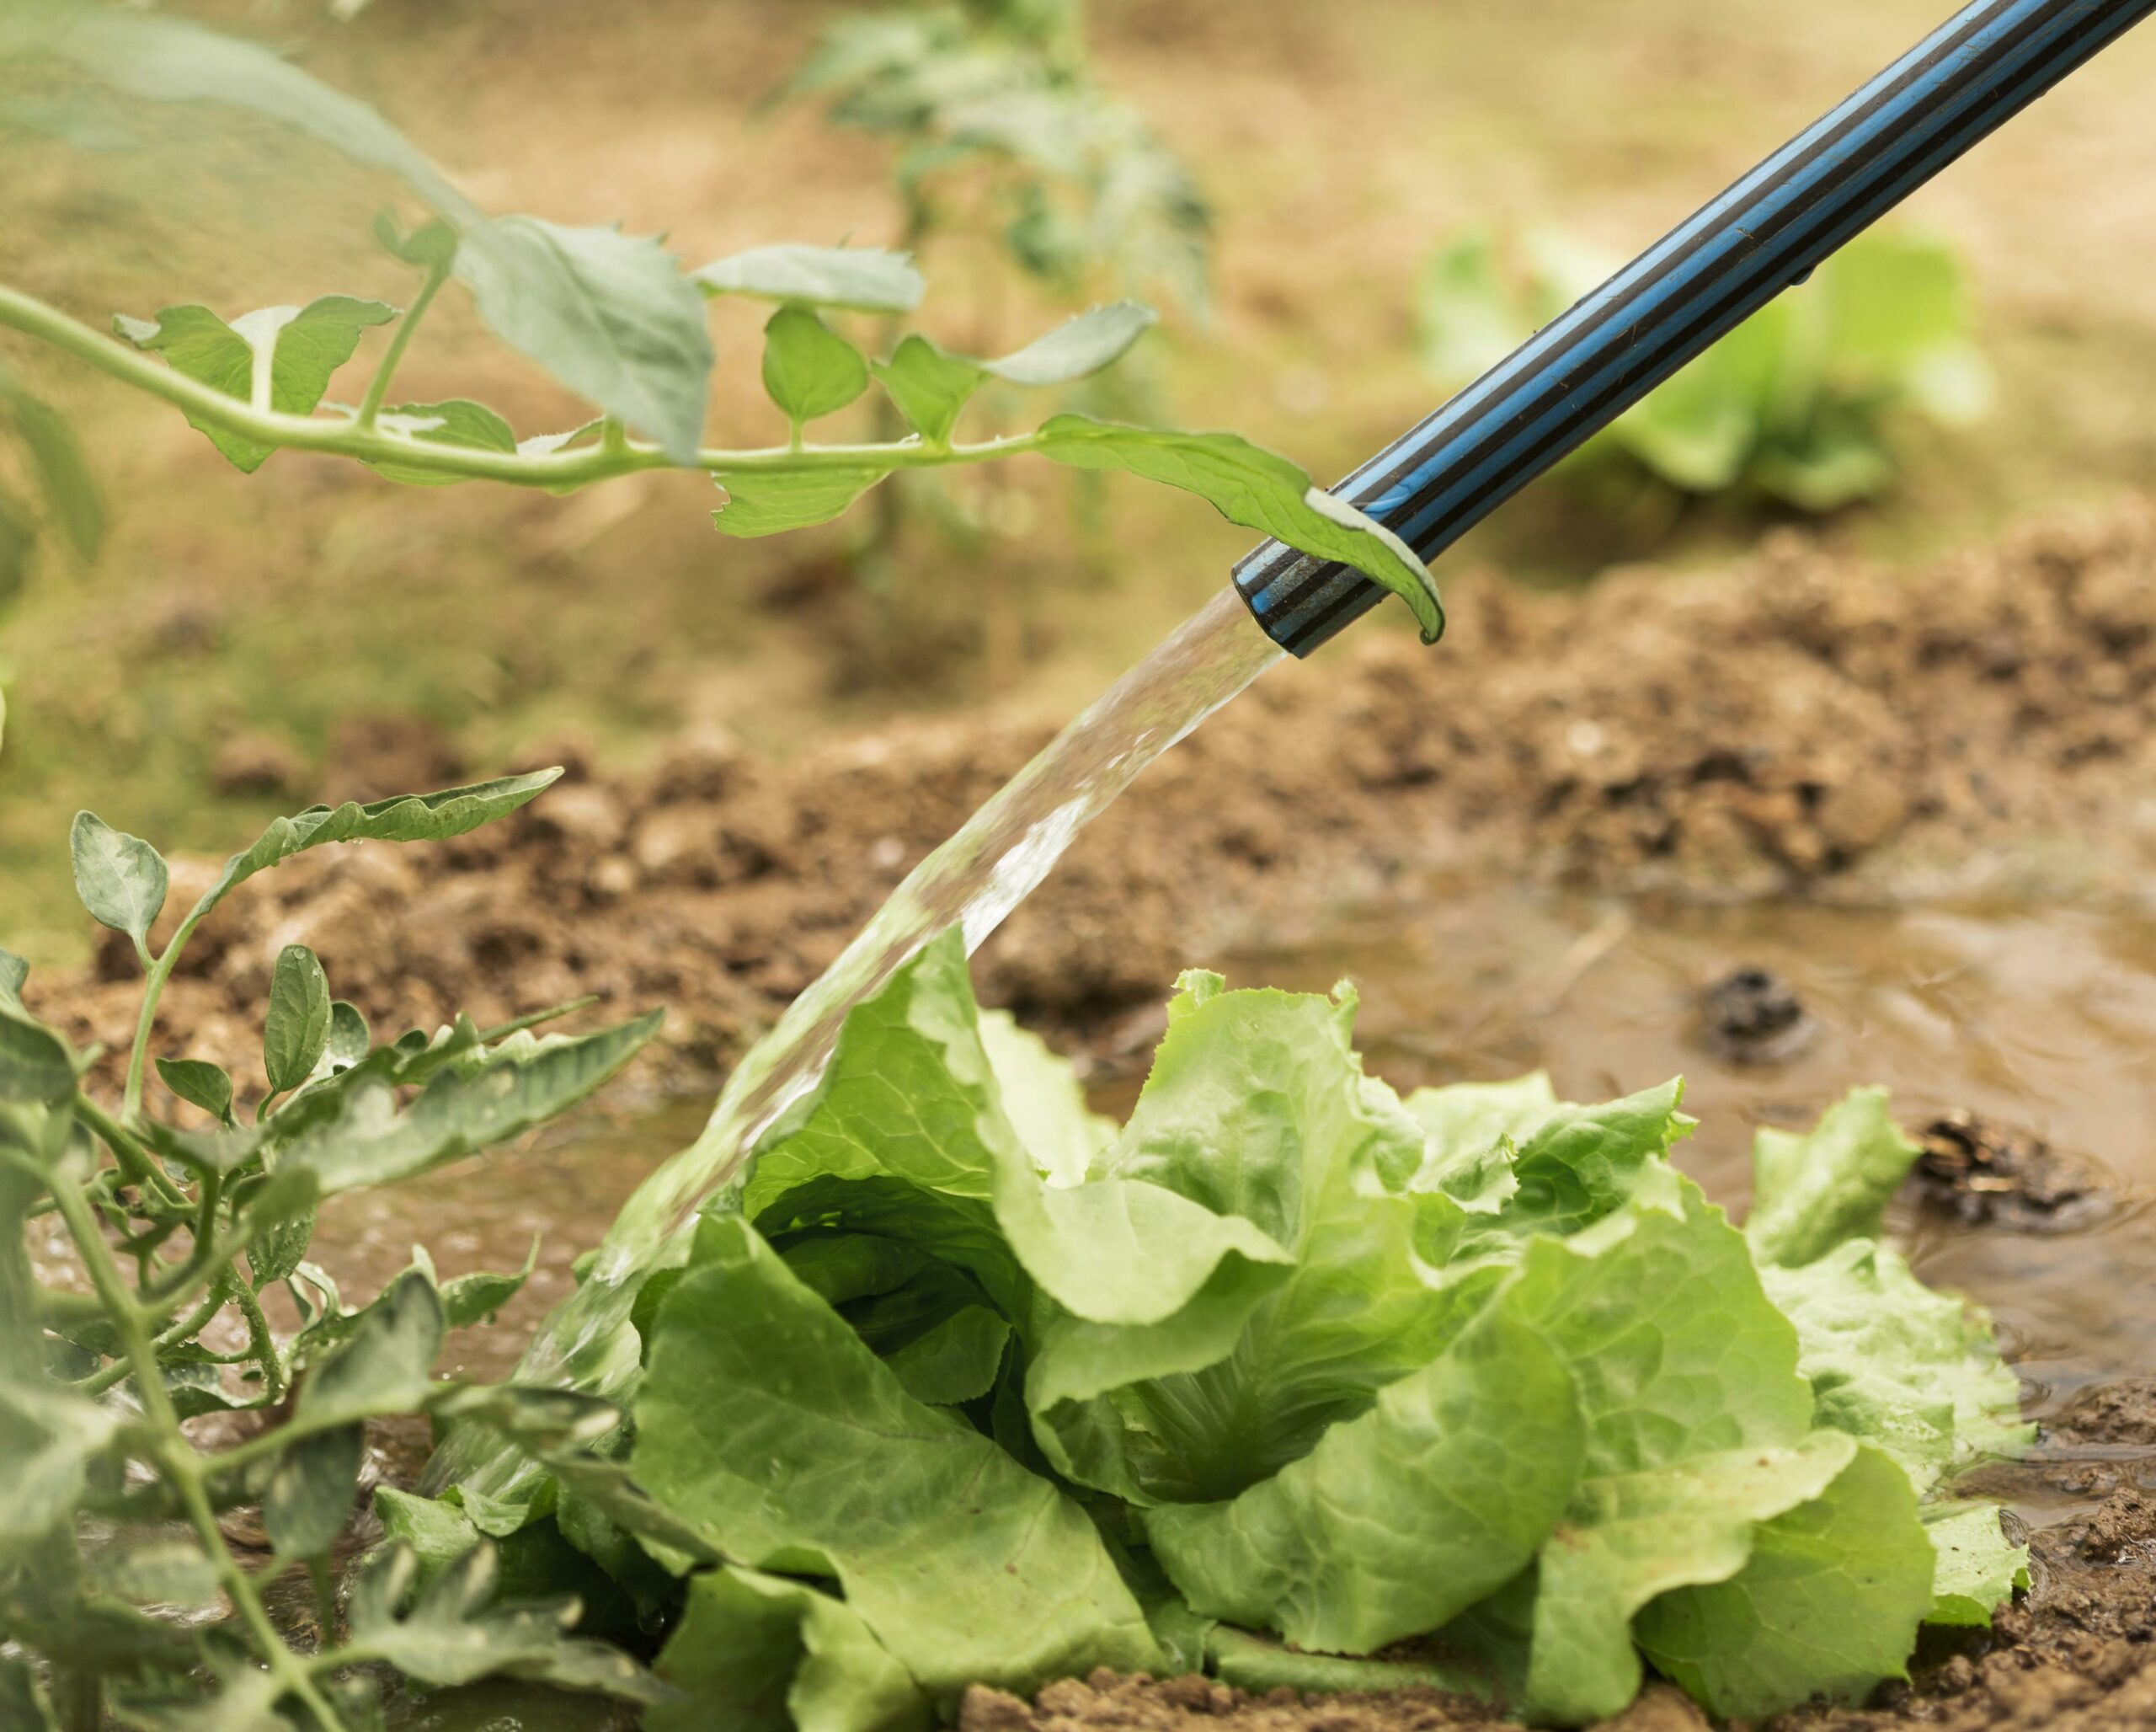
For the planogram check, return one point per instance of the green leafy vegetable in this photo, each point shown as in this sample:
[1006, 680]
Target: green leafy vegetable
[296, 1033]
[1798, 403]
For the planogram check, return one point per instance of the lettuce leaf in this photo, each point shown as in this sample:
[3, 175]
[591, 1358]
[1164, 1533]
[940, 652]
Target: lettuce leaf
[770, 1427]
[1811, 1193]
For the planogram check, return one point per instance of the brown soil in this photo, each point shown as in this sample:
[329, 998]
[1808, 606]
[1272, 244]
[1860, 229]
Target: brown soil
[1799, 723]
[1979, 1171]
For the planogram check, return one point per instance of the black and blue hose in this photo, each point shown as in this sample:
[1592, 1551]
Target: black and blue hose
[1766, 233]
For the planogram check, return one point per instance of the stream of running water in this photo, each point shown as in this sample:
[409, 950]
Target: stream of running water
[971, 881]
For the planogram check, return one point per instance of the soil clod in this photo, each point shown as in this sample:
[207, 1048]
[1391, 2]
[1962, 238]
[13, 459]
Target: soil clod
[1983, 1171]
[1751, 1017]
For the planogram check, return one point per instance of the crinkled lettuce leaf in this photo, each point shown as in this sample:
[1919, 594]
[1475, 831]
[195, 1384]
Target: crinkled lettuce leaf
[776, 1432]
[1811, 1193]
[1915, 1371]
[1288, 1369]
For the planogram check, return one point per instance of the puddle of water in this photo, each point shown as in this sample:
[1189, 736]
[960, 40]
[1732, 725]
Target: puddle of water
[2042, 1020]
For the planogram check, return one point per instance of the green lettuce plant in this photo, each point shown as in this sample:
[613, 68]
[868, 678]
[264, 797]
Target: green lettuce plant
[116, 1573]
[1797, 404]
[615, 319]
[967, 1384]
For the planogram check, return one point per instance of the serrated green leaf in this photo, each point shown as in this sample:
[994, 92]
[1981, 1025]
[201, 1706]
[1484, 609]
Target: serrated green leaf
[406, 817]
[297, 1030]
[809, 370]
[1079, 346]
[120, 879]
[161, 1573]
[456, 421]
[760, 1653]
[1827, 1605]
[864, 278]
[930, 386]
[452, 1635]
[199, 1083]
[275, 358]
[361, 1137]
[1811, 1193]
[769, 501]
[767, 1424]
[312, 1490]
[1252, 486]
[610, 315]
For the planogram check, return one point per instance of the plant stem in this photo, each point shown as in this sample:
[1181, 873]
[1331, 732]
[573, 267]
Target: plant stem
[562, 470]
[134, 1161]
[371, 406]
[177, 1457]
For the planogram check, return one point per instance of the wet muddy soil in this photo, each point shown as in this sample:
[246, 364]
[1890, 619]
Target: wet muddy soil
[1801, 724]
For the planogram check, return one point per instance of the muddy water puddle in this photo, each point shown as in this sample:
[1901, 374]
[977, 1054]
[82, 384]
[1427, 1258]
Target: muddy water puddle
[2041, 1023]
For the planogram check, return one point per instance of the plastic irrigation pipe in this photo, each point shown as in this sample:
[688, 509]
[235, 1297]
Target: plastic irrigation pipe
[1580, 372]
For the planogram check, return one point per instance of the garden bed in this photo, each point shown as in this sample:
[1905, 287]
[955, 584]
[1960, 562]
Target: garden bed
[1800, 724]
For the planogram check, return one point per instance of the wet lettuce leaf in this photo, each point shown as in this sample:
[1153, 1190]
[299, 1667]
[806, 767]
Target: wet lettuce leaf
[967, 1384]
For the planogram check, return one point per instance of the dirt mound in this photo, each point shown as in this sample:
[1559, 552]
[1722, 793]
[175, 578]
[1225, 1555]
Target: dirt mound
[1800, 722]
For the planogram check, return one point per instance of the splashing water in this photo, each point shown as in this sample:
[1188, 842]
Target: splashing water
[973, 881]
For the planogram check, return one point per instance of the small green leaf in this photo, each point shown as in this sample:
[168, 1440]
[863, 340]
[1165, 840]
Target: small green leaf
[1810, 1193]
[278, 1247]
[199, 1083]
[474, 1298]
[457, 421]
[432, 246]
[1083, 345]
[1250, 485]
[22, 1701]
[349, 1038]
[610, 315]
[770, 501]
[312, 1490]
[1469, 318]
[276, 358]
[930, 386]
[1979, 1567]
[121, 877]
[809, 370]
[297, 1028]
[384, 1366]
[437, 1533]
[863, 279]
[407, 817]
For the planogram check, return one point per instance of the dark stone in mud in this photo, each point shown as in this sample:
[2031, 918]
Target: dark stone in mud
[2124, 1412]
[1750, 1017]
[1983, 1171]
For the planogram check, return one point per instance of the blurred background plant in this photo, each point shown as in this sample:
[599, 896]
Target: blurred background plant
[1800, 408]
[1009, 153]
